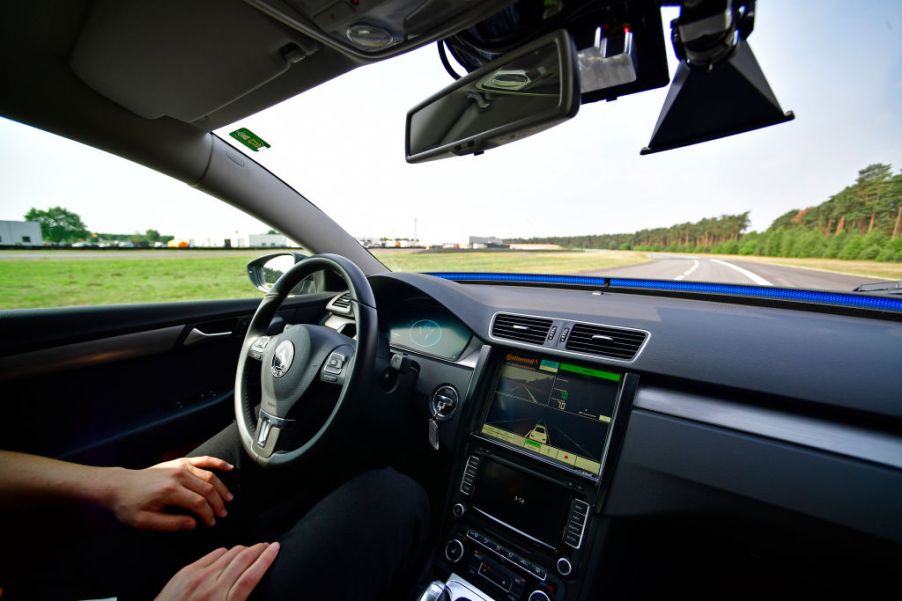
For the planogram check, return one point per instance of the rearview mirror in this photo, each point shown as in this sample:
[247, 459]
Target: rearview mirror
[522, 93]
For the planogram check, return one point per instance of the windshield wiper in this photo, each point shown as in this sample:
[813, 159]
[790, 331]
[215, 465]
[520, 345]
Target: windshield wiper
[884, 287]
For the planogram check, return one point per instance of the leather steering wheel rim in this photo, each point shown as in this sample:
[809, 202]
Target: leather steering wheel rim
[357, 369]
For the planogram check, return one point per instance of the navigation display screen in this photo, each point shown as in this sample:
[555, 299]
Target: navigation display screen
[559, 410]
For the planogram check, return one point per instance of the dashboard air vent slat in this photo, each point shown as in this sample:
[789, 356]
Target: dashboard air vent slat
[604, 341]
[343, 301]
[533, 330]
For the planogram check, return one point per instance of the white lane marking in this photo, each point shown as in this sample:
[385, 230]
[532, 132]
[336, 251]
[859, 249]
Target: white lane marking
[689, 271]
[752, 276]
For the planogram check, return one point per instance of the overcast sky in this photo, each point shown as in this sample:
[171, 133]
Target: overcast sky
[837, 64]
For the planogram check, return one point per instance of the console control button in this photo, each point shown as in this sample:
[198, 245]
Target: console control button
[564, 567]
[454, 550]
[505, 553]
[469, 477]
[458, 510]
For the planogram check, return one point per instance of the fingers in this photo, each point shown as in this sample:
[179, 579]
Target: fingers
[207, 490]
[241, 562]
[210, 462]
[226, 558]
[194, 502]
[210, 558]
[211, 478]
[248, 579]
[148, 520]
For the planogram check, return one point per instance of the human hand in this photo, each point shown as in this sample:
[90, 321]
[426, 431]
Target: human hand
[222, 575]
[140, 498]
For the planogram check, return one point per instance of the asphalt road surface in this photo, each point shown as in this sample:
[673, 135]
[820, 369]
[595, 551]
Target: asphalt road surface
[704, 269]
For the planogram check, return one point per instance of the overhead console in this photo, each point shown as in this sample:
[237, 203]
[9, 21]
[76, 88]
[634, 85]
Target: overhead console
[531, 478]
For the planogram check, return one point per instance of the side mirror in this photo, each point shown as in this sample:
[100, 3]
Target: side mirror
[265, 271]
[522, 93]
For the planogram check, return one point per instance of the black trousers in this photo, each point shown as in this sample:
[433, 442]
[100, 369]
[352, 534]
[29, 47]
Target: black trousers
[364, 540]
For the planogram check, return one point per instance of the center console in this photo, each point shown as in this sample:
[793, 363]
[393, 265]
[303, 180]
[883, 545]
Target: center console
[530, 480]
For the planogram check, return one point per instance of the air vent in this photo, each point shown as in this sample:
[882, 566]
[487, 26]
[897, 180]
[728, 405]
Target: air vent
[519, 327]
[341, 304]
[606, 342]
[343, 301]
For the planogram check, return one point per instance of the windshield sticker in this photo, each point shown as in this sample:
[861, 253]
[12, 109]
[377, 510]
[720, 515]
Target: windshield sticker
[249, 139]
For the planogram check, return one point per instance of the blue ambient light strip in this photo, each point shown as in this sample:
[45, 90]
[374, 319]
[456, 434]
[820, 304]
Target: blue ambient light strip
[878, 303]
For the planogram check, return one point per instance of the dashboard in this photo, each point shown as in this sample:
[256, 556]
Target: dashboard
[635, 432]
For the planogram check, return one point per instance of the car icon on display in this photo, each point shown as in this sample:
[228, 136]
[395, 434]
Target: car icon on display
[539, 434]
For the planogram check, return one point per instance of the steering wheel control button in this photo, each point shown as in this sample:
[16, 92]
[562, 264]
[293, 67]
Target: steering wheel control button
[458, 510]
[258, 347]
[538, 596]
[454, 550]
[444, 401]
[282, 358]
[335, 363]
[564, 567]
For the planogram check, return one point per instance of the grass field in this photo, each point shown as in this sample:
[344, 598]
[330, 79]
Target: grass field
[60, 278]
[122, 278]
[30, 279]
[553, 262]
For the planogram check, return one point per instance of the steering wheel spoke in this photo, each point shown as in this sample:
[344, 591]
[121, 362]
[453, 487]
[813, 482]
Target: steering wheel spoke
[266, 436]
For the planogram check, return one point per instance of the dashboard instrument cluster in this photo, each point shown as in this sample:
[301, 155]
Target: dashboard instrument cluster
[424, 327]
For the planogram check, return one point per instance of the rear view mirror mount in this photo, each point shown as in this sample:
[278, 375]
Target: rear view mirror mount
[522, 93]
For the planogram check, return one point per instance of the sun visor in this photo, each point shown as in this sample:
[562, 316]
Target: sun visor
[182, 59]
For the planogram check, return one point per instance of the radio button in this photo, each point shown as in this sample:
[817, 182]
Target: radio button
[572, 539]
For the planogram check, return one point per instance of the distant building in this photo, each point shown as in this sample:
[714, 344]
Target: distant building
[21, 233]
[525, 246]
[487, 242]
[276, 240]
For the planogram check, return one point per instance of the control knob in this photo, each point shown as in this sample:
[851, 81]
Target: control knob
[564, 567]
[538, 595]
[458, 510]
[454, 550]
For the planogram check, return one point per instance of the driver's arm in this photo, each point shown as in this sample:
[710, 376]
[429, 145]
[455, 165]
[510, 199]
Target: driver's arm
[138, 498]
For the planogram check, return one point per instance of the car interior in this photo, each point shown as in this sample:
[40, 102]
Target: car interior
[735, 446]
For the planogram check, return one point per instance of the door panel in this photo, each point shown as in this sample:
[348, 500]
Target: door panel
[125, 385]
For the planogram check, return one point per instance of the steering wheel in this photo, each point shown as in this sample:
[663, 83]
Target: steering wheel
[291, 362]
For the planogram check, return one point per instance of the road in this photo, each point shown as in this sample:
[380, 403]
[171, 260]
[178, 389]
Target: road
[704, 269]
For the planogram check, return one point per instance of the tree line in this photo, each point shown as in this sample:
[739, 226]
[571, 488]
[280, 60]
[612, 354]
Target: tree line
[62, 226]
[863, 221]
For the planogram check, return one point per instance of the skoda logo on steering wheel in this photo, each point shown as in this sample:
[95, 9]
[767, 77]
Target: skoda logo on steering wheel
[282, 358]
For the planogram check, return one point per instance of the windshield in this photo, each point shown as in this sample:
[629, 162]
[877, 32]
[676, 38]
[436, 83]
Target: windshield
[814, 203]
